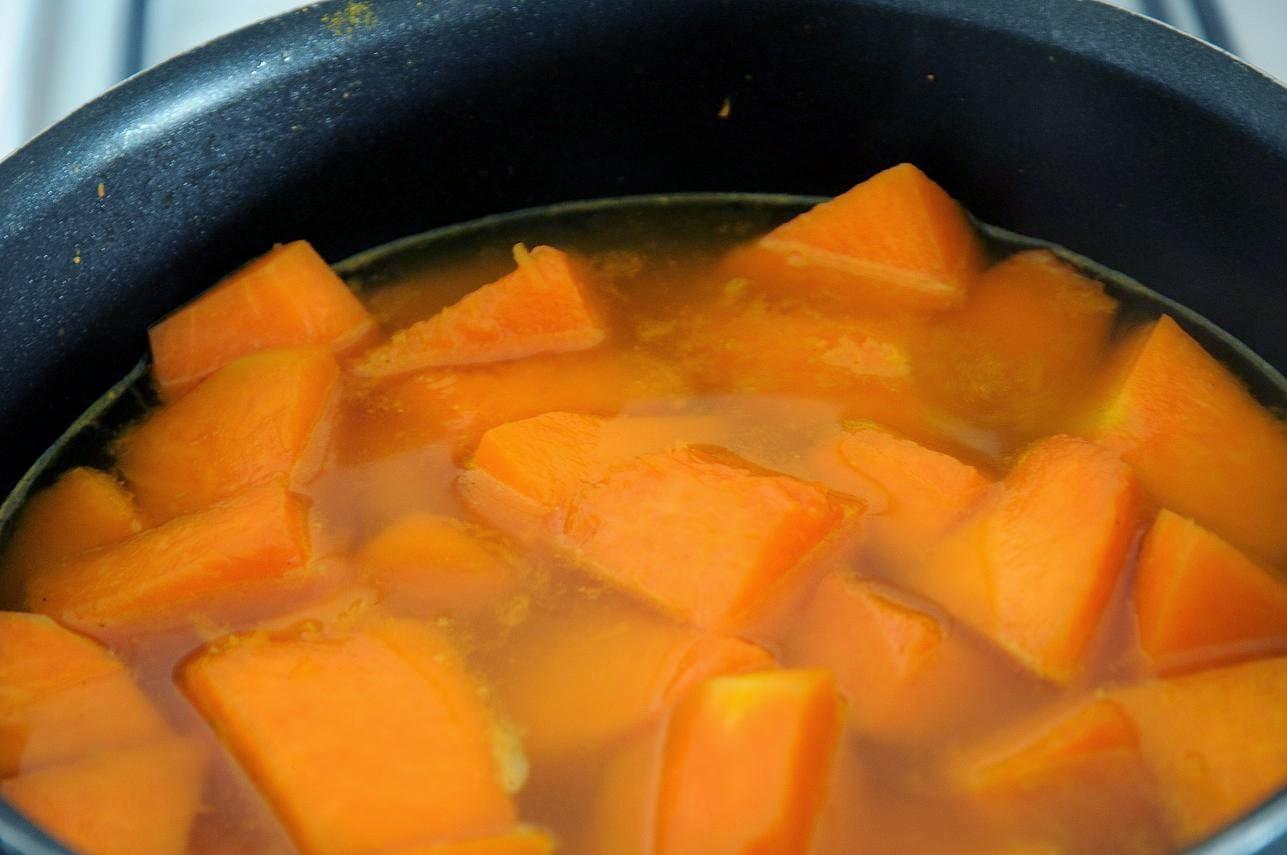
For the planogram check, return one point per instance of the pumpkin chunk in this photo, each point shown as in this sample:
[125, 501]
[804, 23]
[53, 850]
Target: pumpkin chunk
[1202, 446]
[135, 800]
[1021, 349]
[896, 240]
[260, 417]
[729, 533]
[62, 695]
[459, 404]
[286, 297]
[542, 307]
[85, 508]
[1034, 571]
[1215, 742]
[747, 764]
[626, 666]
[925, 492]
[1194, 592]
[187, 565]
[440, 564]
[390, 704]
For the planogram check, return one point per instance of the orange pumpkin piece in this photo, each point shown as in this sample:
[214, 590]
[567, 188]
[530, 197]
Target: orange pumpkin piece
[895, 240]
[1202, 446]
[1022, 347]
[1194, 592]
[541, 462]
[1079, 781]
[459, 404]
[730, 533]
[257, 418]
[747, 764]
[85, 508]
[286, 297]
[136, 800]
[55, 687]
[1097, 727]
[523, 840]
[440, 564]
[926, 492]
[192, 563]
[364, 741]
[625, 665]
[1215, 742]
[542, 307]
[1035, 570]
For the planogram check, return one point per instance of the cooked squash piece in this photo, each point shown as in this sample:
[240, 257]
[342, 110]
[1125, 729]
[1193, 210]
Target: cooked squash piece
[134, 800]
[1078, 781]
[85, 508]
[1034, 571]
[459, 404]
[730, 533]
[1215, 742]
[895, 240]
[542, 462]
[626, 666]
[1197, 596]
[925, 492]
[1094, 729]
[188, 565]
[1202, 446]
[258, 418]
[362, 742]
[287, 297]
[521, 841]
[62, 695]
[747, 764]
[433, 563]
[1022, 348]
[542, 307]
[624, 819]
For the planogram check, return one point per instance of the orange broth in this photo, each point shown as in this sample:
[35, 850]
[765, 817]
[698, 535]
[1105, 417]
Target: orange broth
[874, 475]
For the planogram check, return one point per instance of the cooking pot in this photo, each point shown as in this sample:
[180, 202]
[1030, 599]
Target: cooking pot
[354, 123]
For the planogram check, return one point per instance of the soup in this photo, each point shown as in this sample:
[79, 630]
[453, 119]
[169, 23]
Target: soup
[671, 525]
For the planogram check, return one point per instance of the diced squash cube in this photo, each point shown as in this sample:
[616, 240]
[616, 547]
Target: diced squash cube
[440, 564]
[257, 418]
[894, 240]
[1035, 570]
[62, 695]
[542, 307]
[362, 742]
[287, 297]
[1078, 781]
[747, 764]
[926, 492]
[699, 533]
[523, 840]
[1215, 742]
[83, 509]
[458, 405]
[1023, 347]
[188, 565]
[135, 800]
[1197, 596]
[907, 673]
[540, 463]
[1096, 728]
[624, 665]
[1202, 446]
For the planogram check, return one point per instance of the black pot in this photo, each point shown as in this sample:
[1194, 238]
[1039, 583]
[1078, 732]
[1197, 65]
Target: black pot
[352, 124]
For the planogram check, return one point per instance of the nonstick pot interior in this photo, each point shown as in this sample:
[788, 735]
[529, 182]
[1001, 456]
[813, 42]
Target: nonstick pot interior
[354, 123]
